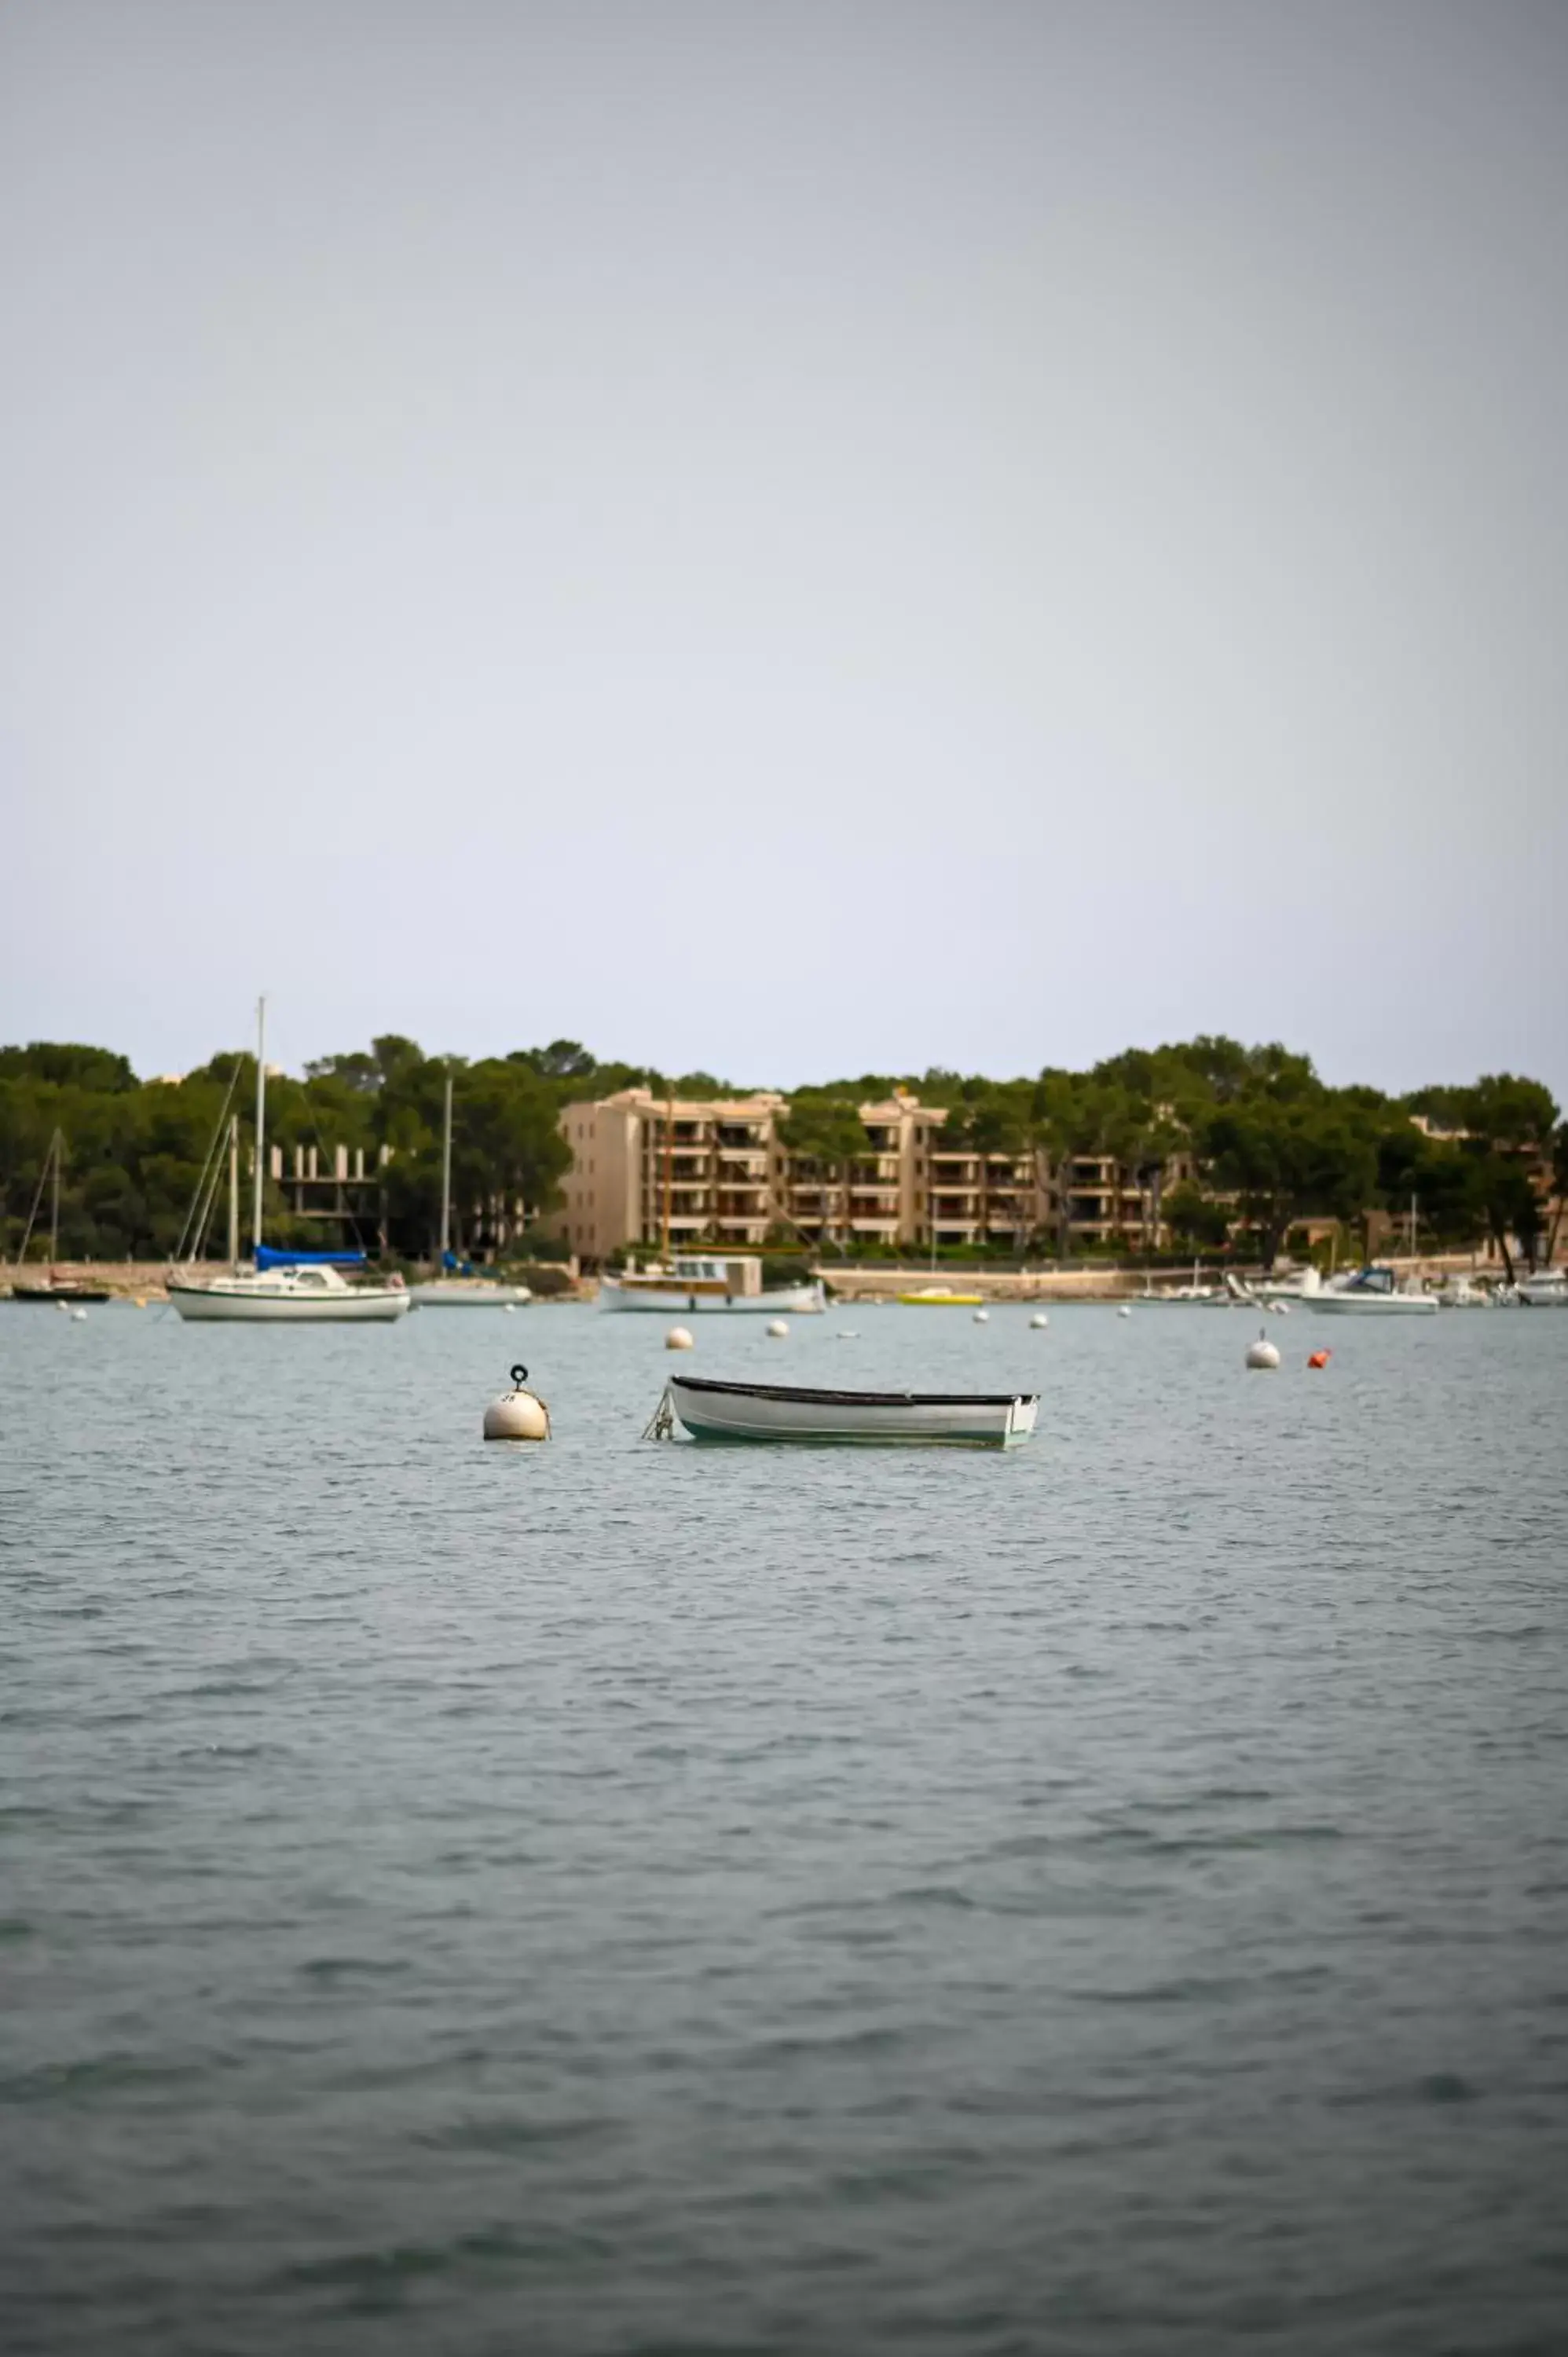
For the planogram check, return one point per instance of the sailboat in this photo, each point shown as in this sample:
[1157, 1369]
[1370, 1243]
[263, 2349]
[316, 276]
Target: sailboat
[457, 1287]
[50, 1288]
[283, 1289]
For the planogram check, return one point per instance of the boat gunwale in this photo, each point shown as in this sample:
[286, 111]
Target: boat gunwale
[809, 1395]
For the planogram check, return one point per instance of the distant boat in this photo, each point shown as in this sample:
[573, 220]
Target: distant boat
[467, 1293]
[751, 1412]
[1369, 1293]
[1547, 1289]
[284, 1289]
[305, 1290]
[696, 1281]
[459, 1287]
[50, 1288]
[939, 1297]
[1459, 1293]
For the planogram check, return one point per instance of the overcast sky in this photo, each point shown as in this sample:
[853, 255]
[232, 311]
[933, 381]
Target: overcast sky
[794, 537]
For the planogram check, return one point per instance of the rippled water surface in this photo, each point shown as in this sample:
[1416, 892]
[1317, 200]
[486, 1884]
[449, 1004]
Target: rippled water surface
[611, 1898]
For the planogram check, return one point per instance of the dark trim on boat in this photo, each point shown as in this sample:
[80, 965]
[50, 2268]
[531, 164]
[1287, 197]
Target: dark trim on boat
[851, 1399]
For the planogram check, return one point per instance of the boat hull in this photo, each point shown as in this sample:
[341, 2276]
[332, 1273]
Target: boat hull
[202, 1304]
[459, 1294]
[786, 1300]
[740, 1412]
[1374, 1305]
[70, 1294]
[1542, 1293]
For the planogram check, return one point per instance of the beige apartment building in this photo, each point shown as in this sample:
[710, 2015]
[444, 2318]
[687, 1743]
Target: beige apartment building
[716, 1170]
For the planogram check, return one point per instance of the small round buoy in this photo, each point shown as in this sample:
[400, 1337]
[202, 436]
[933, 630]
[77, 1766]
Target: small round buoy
[982, 1316]
[1124, 1311]
[1320, 1359]
[1280, 1308]
[678, 1339]
[1039, 1321]
[849, 1334]
[511, 1308]
[1262, 1353]
[776, 1329]
[517, 1414]
[81, 1314]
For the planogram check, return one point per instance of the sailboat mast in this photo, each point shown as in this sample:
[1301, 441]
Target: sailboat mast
[261, 1113]
[447, 1174]
[233, 1191]
[53, 1202]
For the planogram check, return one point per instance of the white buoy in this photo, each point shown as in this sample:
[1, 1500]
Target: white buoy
[80, 1313]
[517, 1414]
[849, 1334]
[982, 1316]
[1281, 1309]
[678, 1339]
[1039, 1321]
[1124, 1311]
[776, 1329]
[1262, 1354]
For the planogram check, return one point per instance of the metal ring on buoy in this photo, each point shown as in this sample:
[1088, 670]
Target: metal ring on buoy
[519, 1377]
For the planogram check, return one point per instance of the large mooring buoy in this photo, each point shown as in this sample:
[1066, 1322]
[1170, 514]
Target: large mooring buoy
[517, 1415]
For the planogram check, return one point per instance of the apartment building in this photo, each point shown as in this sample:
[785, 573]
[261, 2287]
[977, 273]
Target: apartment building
[701, 1171]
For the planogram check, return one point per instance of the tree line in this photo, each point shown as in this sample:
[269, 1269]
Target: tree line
[1267, 1142]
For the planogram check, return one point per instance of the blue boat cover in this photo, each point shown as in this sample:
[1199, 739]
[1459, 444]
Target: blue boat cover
[269, 1256]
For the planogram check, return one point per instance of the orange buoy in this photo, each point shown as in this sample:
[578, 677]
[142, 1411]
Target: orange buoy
[1319, 1358]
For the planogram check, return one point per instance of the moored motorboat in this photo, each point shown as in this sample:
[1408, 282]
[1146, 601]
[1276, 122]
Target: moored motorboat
[709, 1282]
[1547, 1289]
[1370, 1292]
[716, 1411]
[939, 1297]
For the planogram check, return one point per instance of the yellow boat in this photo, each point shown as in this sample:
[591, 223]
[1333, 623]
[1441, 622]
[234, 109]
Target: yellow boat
[940, 1296]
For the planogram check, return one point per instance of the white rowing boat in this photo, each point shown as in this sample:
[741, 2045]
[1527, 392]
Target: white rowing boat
[711, 1411]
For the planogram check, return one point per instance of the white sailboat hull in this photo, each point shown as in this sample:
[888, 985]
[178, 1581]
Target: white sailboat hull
[785, 1300]
[744, 1412]
[238, 1302]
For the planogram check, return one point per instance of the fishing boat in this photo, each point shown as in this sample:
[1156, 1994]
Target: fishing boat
[281, 1287]
[940, 1296]
[1547, 1289]
[1369, 1293]
[698, 1281]
[50, 1286]
[713, 1411]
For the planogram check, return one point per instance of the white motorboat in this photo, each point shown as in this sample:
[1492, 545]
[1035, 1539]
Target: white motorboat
[710, 1282]
[285, 1293]
[1547, 1289]
[467, 1293]
[713, 1411]
[283, 1289]
[1369, 1293]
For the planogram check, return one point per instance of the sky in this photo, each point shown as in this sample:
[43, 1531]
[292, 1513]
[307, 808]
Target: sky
[790, 537]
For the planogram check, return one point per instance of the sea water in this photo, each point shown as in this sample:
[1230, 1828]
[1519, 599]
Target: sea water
[609, 1898]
